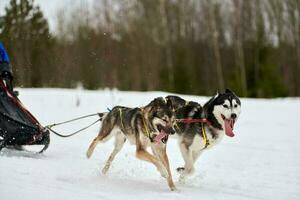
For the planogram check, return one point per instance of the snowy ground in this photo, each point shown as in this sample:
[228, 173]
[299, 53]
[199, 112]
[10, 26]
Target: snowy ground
[260, 162]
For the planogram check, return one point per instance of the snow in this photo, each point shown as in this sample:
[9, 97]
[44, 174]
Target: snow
[260, 162]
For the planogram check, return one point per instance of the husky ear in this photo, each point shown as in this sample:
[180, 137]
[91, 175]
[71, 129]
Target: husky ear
[168, 100]
[158, 101]
[217, 93]
[151, 105]
[228, 91]
[147, 108]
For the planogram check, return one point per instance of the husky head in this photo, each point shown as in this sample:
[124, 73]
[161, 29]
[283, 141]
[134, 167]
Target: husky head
[161, 115]
[225, 108]
[176, 102]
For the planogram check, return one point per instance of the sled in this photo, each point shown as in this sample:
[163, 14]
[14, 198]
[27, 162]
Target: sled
[17, 125]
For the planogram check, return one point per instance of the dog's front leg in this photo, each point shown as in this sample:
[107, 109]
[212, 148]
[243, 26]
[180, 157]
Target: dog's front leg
[188, 168]
[162, 169]
[196, 155]
[146, 156]
[160, 151]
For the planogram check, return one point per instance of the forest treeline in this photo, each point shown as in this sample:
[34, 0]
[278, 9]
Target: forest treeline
[182, 46]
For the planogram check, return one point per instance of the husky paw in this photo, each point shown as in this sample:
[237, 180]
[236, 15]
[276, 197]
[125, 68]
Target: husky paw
[173, 188]
[180, 170]
[185, 171]
[105, 169]
[190, 171]
[88, 154]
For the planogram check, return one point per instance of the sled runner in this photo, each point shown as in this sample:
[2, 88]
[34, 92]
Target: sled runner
[17, 125]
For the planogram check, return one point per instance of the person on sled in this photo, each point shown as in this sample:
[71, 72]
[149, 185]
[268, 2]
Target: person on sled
[18, 126]
[6, 74]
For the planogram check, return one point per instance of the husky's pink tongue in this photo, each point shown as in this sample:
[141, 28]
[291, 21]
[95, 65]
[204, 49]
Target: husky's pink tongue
[229, 123]
[160, 136]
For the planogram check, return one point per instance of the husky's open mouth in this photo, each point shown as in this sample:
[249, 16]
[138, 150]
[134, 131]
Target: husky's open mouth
[162, 136]
[229, 125]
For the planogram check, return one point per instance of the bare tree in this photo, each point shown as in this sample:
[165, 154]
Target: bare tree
[215, 42]
[167, 41]
[238, 47]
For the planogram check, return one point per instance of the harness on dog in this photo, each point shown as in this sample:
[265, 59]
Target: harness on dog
[120, 111]
[190, 120]
[202, 121]
[146, 128]
[206, 141]
[144, 123]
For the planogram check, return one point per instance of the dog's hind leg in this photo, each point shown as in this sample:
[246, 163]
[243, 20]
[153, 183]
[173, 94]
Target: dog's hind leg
[92, 147]
[119, 142]
[104, 135]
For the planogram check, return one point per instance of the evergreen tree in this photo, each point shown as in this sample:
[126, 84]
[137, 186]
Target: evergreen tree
[25, 32]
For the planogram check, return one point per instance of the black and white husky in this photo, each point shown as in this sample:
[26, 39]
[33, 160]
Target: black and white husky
[216, 119]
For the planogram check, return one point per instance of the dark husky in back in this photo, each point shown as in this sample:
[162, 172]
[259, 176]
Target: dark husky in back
[142, 127]
[218, 116]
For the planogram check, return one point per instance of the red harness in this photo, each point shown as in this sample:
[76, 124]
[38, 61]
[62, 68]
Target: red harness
[191, 120]
[201, 120]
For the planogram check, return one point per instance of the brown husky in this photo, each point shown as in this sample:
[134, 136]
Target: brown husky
[147, 126]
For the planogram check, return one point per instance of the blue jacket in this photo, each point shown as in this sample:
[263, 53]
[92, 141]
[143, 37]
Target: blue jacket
[5, 66]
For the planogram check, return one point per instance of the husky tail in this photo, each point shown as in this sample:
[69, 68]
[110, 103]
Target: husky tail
[102, 115]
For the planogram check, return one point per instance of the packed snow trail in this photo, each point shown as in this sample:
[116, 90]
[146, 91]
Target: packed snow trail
[260, 162]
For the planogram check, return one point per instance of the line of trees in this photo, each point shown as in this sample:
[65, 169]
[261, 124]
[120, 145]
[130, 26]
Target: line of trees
[183, 46]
